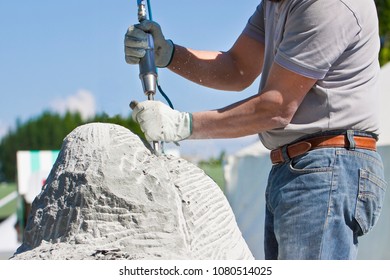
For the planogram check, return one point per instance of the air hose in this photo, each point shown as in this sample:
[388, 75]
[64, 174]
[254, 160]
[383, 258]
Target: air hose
[149, 10]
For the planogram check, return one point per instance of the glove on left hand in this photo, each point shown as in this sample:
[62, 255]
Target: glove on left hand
[136, 43]
[161, 123]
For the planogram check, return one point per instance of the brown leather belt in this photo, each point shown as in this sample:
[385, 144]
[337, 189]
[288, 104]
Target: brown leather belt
[339, 141]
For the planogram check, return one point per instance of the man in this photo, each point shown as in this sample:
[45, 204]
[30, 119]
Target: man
[315, 110]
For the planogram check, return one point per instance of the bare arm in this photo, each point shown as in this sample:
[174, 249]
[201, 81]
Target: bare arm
[233, 70]
[270, 109]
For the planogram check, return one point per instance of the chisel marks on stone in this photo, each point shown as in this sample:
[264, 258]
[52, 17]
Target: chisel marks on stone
[109, 197]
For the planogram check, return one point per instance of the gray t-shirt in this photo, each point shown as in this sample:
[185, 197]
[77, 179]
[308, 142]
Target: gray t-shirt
[333, 41]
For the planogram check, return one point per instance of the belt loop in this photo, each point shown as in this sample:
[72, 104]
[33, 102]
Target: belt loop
[351, 140]
[285, 153]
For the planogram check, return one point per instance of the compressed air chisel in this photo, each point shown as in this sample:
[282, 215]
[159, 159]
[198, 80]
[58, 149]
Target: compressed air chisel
[147, 66]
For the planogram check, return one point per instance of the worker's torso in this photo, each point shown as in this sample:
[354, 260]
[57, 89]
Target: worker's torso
[333, 41]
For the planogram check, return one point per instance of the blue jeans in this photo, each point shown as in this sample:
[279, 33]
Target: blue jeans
[318, 204]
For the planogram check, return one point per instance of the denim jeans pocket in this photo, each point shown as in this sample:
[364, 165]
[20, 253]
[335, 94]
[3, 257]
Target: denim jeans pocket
[369, 201]
[314, 161]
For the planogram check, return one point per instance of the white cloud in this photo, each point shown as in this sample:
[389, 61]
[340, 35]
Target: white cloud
[82, 101]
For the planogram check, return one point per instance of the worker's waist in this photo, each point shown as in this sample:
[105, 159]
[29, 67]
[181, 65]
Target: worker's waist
[347, 140]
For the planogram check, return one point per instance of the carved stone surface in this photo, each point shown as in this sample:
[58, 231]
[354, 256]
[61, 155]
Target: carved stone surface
[109, 197]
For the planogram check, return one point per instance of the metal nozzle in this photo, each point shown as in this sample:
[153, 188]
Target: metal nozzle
[141, 10]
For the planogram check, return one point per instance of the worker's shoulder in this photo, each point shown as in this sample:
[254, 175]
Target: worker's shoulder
[352, 5]
[361, 12]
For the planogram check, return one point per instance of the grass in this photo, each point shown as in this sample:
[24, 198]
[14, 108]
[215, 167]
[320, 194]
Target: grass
[9, 208]
[215, 172]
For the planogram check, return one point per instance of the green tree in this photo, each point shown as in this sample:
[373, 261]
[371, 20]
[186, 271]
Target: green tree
[383, 7]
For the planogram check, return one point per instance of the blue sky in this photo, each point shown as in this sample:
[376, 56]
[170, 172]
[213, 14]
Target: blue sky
[58, 55]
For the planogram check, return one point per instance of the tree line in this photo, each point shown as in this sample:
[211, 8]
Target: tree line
[46, 132]
[383, 7]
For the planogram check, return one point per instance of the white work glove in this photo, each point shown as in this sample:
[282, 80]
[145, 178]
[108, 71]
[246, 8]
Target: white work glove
[136, 42]
[161, 123]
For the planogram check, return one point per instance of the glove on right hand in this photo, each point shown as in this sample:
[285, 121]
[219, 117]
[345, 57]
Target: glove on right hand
[161, 123]
[136, 41]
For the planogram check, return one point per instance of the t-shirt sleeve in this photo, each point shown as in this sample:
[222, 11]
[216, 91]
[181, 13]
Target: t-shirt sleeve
[316, 34]
[255, 26]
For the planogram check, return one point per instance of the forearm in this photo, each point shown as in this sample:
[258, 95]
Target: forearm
[211, 69]
[251, 116]
[233, 70]
[273, 108]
